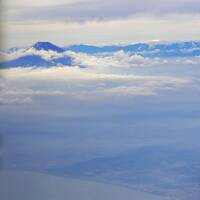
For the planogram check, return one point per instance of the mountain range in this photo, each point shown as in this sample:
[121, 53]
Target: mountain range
[144, 49]
[46, 54]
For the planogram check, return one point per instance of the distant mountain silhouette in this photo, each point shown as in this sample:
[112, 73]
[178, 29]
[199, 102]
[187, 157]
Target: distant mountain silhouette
[34, 57]
[27, 61]
[179, 49]
[47, 46]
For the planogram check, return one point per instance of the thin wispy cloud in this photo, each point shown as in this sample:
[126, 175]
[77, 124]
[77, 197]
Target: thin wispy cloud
[25, 85]
[106, 10]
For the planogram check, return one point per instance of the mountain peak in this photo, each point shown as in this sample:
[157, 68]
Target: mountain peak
[47, 46]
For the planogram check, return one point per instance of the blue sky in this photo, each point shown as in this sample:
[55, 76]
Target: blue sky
[99, 22]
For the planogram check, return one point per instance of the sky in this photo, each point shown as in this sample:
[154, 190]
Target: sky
[66, 22]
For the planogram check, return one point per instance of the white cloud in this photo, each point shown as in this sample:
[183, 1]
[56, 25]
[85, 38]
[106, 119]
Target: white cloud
[47, 55]
[118, 59]
[103, 10]
[26, 85]
[105, 75]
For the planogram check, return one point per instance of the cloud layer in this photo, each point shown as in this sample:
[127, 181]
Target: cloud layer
[108, 10]
[20, 85]
[118, 59]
